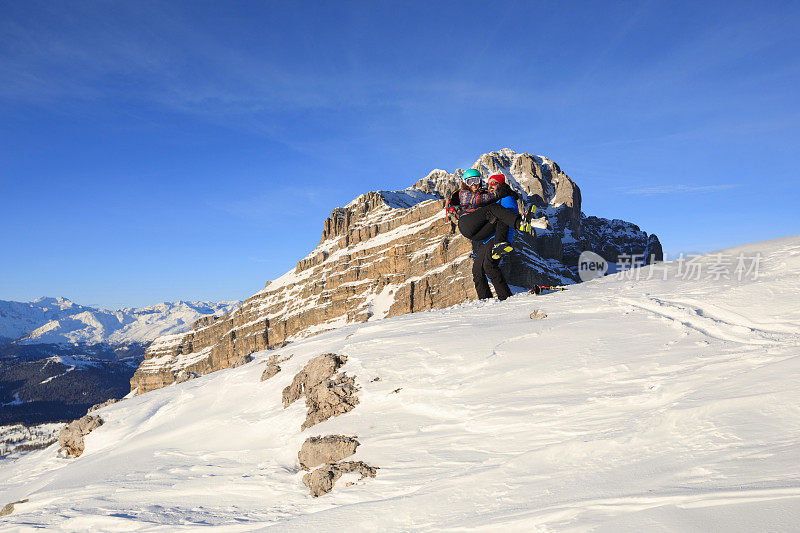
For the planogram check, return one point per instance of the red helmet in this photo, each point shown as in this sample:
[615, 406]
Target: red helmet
[499, 178]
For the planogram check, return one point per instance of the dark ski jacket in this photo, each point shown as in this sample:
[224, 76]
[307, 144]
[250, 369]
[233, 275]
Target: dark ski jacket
[510, 203]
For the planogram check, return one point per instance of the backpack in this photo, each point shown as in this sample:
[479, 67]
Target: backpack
[452, 208]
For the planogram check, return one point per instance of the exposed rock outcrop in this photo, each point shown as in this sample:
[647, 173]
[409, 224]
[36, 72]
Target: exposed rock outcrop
[322, 480]
[549, 245]
[9, 507]
[614, 238]
[271, 370]
[243, 360]
[278, 345]
[390, 253]
[273, 366]
[329, 449]
[653, 251]
[71, 437]
[97, 406]
[326, 395]
[567, 202]
[317, 370]
[184, 375]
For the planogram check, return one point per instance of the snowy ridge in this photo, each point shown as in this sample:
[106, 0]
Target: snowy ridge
[405, 198]
[636, 405]
[58, 320]
[402, 199]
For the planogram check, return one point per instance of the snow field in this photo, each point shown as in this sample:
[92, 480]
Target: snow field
[17, 439]
[649, 405]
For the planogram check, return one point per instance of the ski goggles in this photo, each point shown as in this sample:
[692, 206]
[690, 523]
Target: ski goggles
[473, 180]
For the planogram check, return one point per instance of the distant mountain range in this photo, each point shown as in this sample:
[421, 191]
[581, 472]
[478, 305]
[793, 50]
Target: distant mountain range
[59, 321]
[57, 357]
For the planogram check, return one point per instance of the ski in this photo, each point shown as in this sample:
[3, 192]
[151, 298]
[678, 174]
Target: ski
[537, 289]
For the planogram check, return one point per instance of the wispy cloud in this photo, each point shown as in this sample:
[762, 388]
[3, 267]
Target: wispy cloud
[679, 189]
[160, 56]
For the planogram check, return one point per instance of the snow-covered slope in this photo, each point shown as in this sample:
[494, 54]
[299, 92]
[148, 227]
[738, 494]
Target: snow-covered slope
[666, 404]
[18, 439]
[58, 320]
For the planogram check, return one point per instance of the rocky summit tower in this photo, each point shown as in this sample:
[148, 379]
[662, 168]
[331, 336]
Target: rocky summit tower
[388, 253]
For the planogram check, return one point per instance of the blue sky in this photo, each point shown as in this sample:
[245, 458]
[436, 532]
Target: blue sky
[158, 151]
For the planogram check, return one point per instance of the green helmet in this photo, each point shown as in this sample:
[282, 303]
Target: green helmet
[471, 173]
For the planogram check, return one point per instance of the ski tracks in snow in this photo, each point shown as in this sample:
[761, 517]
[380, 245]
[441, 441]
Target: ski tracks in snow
[644, 510]
[716, 322]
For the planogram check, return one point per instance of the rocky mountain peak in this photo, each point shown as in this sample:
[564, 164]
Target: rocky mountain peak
[388, 253]
[439, 182]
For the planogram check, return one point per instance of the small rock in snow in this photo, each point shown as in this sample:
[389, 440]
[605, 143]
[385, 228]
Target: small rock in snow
[243, 360]
[538, 315]
[9, 507]
[322, 480]
[329, 449]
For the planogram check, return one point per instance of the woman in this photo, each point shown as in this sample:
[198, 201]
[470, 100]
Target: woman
[481, 215]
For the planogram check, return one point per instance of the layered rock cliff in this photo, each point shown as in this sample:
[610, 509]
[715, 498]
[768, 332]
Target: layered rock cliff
[390, 253]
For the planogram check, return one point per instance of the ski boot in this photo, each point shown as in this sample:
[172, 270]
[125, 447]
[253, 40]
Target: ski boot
[500, 249]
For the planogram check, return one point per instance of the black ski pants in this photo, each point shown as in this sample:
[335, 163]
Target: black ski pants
[484, 266]
[492, 219]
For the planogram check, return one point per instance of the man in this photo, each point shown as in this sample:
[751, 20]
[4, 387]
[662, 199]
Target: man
[492, 243]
